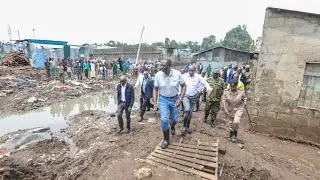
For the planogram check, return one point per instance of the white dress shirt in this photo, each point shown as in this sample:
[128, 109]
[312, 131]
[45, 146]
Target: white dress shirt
[123, 92]
[194, 84]
[139, 80]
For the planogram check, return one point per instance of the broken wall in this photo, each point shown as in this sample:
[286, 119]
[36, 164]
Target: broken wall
[290, 46]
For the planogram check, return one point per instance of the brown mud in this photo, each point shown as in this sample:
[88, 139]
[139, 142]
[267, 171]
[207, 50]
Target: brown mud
[90, 149]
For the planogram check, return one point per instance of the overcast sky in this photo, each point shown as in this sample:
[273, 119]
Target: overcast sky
[99, 21]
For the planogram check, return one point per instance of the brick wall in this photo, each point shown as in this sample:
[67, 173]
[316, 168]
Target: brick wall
[290, 41]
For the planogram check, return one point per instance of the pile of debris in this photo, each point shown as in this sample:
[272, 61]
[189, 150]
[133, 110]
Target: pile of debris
[16, 59]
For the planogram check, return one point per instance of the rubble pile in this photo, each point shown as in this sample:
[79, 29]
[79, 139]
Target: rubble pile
[16, 59]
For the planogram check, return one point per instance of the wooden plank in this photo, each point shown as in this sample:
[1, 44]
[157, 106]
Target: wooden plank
[205, 148]
[208, 144]
[156, 164]
[193, 155]
[213, 154]
[183, 168]
[184, 158]
[216, 170]
[184, 163]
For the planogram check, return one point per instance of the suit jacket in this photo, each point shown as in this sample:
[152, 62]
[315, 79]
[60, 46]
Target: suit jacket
[129, 94]
[149, 89]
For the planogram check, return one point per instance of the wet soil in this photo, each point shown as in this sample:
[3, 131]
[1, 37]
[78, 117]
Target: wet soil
[91, 149]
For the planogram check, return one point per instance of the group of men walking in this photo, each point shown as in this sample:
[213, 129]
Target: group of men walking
[170, 88]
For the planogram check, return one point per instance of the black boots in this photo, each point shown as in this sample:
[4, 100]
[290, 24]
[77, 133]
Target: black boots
[165, 142]
[188, 126]
[233, 136]
[173, 130]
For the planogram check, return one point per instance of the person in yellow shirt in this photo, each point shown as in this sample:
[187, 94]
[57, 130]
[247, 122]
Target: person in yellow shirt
[240, 84]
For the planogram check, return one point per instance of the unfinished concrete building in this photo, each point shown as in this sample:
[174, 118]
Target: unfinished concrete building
[287, 92]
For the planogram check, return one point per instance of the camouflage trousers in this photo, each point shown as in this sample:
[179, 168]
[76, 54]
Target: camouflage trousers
[212, 107]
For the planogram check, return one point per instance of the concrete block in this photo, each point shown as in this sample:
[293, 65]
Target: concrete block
[268, 114]
[308, 134]
[282, 123]
[282, 109]
[303, 111]
[282, 116]
[284, 132]
[313, 122]
[263, 124]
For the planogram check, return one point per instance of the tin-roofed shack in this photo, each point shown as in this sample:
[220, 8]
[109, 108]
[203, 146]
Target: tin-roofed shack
[221, 56]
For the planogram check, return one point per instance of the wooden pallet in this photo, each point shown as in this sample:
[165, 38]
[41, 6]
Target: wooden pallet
[200, 159]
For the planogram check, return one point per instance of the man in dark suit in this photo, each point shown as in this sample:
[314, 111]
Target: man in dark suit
[125, 95]
[146, 93]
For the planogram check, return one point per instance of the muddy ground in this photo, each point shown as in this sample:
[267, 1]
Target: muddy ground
[90, 149]
[23, 89]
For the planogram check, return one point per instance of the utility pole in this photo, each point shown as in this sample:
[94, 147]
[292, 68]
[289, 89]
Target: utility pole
[140, 44]
[19, 35]
[33, 33]
[9, 32]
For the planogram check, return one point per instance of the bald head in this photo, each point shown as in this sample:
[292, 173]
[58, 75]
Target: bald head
[192, 70]
[193, 67]
[123, 80]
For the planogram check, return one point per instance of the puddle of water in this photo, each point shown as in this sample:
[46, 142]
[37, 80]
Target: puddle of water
[55, 116]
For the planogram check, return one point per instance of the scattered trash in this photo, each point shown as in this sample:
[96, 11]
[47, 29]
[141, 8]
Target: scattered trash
[32, 100]
[241, 146]
[143, 173]
[151, 120]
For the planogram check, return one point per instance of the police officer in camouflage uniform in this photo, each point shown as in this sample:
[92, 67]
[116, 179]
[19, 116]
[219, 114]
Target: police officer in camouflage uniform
[213, 101]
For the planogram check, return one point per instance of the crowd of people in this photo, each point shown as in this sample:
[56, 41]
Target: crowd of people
[170, 89]
[92, 68]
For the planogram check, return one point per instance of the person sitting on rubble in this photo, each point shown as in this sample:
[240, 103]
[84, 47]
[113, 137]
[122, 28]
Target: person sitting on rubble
[234, 100]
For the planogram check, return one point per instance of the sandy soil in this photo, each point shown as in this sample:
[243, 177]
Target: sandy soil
[90, 149]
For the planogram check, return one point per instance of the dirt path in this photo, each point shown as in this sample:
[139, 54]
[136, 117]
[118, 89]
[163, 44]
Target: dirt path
[90, 150]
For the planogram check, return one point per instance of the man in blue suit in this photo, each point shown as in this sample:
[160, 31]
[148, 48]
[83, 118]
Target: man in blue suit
[125, 96]
[146, 93]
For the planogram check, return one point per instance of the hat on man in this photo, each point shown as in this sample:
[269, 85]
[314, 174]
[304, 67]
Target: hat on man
[233, 82]
[216, 71]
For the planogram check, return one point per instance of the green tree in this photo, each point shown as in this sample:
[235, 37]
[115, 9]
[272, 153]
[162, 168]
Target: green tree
[194, 46]
[238, 38]
[173, 44]
[111, 43]
[167, 43]
[208, 42]
[156, 44]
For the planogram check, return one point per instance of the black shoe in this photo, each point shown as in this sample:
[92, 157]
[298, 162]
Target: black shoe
[120, 131]
[212, 124]
[165, 142]
[141, 119]
[173, 130]
[189, 131]
[183, 131]
[127, 131]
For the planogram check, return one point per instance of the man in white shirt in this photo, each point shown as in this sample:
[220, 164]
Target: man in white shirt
[193, 82]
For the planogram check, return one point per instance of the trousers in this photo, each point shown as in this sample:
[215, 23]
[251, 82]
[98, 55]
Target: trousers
[212, 107]
[123, 107]
[167, 107]
[189, 102]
